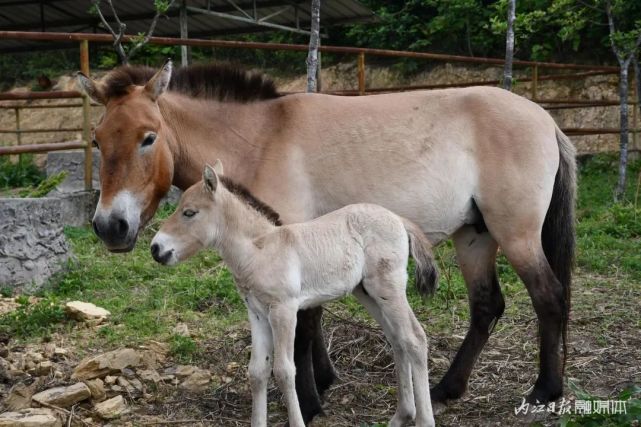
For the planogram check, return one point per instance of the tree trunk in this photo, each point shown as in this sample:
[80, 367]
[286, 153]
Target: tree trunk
[509, 45]
[623, 157]
[314, 41]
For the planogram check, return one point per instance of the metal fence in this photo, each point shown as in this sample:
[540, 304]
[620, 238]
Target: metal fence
[578, 71]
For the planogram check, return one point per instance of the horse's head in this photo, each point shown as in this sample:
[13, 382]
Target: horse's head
[136, 163]
[196, 223]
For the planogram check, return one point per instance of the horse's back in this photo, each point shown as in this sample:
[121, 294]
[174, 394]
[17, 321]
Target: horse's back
[430, 156]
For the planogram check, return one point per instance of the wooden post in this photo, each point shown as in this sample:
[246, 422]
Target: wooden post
[184, 34]
[361, 73]
[18, 133]
[86, 118]
[535, 82]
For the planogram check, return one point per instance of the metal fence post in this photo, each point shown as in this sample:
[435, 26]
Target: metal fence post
[86, 110]
[361, 73]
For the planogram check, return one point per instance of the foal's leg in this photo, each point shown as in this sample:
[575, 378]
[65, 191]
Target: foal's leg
[476, 254]
[405, 407]
[282, 318]
[260, 366]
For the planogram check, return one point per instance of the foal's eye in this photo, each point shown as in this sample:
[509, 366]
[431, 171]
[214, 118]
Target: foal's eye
[189, 213]
[149, 139]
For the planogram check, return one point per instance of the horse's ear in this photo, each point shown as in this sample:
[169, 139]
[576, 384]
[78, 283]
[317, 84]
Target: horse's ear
[218, 167]
[210, 179]
[90, 88]
[158, 84]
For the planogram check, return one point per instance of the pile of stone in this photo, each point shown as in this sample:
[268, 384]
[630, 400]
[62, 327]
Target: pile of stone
[48, 390]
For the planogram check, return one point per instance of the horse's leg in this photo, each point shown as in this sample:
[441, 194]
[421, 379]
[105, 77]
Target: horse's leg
[476, 254]
[260, 366]
[282, 318]
[307, 329]
[526, 255]
[324, 373]
[405, 408]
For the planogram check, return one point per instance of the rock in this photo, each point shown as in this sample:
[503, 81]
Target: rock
[150, 376]
[60, 352]
[111, 379]
[63, 396]
[31, 417]
[42, 369]
[181, 329]
[86, 311]
[183, 371]
[20, 396]
[197, 382]
[111, 408]
[107, 363]
[97, 389]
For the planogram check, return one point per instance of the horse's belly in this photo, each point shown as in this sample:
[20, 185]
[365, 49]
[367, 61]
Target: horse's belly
[439, 200]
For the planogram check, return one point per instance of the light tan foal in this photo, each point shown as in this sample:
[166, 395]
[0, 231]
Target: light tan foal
[361, 249]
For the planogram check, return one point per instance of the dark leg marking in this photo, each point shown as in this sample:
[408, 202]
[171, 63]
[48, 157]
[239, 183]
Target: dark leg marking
[308, 397]
[548, 299]
[324, 373]
[486, 307]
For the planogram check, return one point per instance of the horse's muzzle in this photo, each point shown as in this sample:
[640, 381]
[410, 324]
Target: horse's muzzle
[161, 256]
[115, 232]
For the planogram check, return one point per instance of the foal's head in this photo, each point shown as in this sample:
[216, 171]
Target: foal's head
[136, 167]
[196, 222]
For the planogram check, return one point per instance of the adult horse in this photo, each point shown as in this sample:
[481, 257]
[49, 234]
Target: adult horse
[482, 165]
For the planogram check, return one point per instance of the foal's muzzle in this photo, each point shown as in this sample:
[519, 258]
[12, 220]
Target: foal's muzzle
[160, 255]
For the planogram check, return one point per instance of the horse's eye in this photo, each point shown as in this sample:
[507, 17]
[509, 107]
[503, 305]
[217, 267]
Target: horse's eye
[149, 139]
[189, 213]
[95, 143]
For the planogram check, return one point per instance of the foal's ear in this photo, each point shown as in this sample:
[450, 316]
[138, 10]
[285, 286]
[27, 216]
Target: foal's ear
[218, 167]
[210, 179]
[158, 84]
[90, 88]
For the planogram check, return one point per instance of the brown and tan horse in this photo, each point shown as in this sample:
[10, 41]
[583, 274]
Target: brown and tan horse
[481, 165]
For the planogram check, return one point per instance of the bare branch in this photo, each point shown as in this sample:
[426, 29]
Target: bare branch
[121, 30]
[149, 33]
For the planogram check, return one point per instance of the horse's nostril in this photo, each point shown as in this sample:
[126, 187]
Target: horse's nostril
[154, 250]
[123, 227]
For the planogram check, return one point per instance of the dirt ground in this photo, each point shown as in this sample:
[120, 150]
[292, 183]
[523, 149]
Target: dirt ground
[604, 358]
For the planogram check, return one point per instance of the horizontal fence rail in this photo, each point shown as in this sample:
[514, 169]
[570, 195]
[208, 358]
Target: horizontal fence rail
[580, 71]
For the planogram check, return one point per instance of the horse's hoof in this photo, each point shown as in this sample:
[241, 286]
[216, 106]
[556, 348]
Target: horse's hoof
[438, 408]
[544, 392]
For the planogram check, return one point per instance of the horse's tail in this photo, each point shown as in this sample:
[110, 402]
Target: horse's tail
[558, 235]
[421, 249]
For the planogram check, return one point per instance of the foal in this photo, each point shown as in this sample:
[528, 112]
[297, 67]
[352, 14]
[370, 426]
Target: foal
[362, 249]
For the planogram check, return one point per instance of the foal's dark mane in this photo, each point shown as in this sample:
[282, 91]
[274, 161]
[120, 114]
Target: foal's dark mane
[245, 195]
[219, 81]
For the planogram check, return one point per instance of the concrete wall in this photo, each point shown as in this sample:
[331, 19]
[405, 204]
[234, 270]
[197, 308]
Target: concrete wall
[32, 243]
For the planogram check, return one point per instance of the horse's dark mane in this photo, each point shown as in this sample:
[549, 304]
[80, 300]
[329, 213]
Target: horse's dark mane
[244, 194]
[222, 82]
